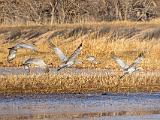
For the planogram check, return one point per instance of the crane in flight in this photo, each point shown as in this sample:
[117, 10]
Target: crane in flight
[128, 69]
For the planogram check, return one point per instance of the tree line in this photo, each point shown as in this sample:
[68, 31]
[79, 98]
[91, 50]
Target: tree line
[70, 11]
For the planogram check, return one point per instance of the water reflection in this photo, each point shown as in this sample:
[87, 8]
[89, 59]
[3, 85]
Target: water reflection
[89, 106]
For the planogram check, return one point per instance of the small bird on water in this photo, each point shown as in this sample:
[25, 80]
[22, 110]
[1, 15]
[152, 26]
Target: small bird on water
[128, 69]
[13, 50]
[66, 61]
[35, 61]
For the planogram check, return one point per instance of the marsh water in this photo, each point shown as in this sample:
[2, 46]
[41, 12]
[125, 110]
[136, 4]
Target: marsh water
[71, 71]
[131, 106]
[135, 106]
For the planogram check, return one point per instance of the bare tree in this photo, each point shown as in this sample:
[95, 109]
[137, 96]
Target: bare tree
[69, 11]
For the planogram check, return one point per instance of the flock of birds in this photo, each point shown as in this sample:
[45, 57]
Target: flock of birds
[71, 60]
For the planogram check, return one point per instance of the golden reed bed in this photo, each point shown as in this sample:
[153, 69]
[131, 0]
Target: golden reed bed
[59, 83]
[101, 49]
[25, 84]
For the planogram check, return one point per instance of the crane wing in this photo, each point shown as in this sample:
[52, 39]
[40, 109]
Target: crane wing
[138, 60]
[58, 52]
[75, 53]
[120, 62]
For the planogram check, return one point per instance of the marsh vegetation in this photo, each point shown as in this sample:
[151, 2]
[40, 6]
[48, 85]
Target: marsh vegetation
[99, 40]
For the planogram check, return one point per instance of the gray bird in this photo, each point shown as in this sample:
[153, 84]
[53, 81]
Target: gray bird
[91, 59]
[37, 62]
[129, 69]
[72, 59]
[11, 55]
[13, 50]
[23, 46]
[58, 52]
[66, 61]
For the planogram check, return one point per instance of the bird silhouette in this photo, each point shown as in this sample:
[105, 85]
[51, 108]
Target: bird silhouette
[128, 69]
[37, 62]
[23, 46]
[72, 59]
[66, 61]
[13, 50]
[11, 55]
[58, 52]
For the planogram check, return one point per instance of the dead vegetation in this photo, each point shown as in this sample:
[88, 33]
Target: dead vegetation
[12, 35]
[149, 34]
[110, 31]
[33, 33]
[72, 11]
[32, 84]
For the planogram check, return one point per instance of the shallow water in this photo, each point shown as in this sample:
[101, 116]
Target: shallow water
[81, 107]
[72, 71]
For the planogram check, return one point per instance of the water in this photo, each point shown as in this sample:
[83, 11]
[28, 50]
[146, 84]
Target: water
[138, 106]
[72, 71]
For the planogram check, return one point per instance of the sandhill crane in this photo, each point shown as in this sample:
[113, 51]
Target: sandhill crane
[23, 46]
[128, 69]
[37, 62]
[91, 59]
[58, 52]
[13, 50]
[11, 55]
[66, 61]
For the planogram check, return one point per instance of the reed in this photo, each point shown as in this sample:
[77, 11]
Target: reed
[60, 83]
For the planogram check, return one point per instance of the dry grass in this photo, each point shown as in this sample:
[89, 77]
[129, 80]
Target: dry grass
[60, 83]
[153, 22]
[101, 48]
